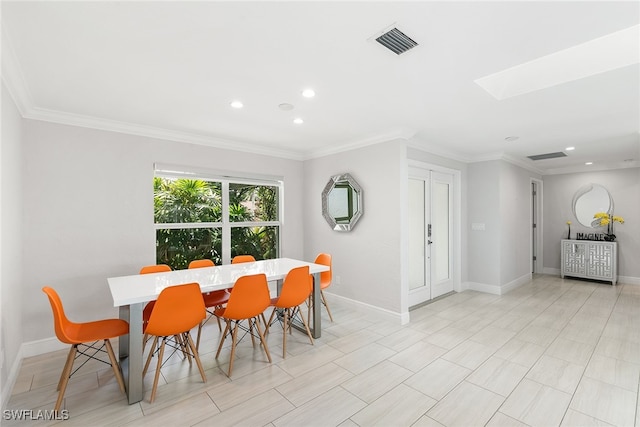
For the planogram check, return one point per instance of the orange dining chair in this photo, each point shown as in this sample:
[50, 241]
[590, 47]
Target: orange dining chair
[325, 282]
[239, 259]
[79, 334]
[242, 258]
[212, 300]
[148, 308]
[296, 288]
[177, 310]
[249, 299]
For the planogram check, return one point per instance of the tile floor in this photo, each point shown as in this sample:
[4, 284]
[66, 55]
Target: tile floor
[552, 352]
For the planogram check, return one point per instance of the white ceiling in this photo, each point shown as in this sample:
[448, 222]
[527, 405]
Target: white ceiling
[170, 69]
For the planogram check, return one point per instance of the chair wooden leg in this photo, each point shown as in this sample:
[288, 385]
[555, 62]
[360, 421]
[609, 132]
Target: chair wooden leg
[153, 348]
[196, 356]
[218, 319]
[70, 355]
[306, 325]
[268, 325]
[285, 325]
[253, 339]
[114, 365]
[199, 333]
[264, 342]
[234, 338]
[227, 328]
[144, 341]
[66, 372]
[324, 301]
[183, 346]
[155, 380]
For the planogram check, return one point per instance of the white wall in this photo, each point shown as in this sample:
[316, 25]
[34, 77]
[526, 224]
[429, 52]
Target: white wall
[11, 283]
[500, 198]
[484, 208]
[624, 187]
[88, 212]
[515, 222]
[367, 259]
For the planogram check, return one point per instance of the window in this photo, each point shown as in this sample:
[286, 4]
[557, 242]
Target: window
[215, 218]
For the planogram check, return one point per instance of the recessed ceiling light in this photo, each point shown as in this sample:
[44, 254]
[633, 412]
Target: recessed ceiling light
[308, 93]
[570, 148]
[511, 138]
[236, 104]
[285, 106]
[589, 163]
[298, 121]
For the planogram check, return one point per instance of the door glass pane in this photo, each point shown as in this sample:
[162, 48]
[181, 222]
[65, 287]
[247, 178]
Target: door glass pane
[416, 234]
[440, 231]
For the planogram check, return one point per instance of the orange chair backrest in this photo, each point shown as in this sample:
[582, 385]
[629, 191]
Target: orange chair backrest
[242, 258]
[160, 268]
[325, 276]
[201, 263]
[60, 321]
[249, 297]
[177, 309]
[296, 288]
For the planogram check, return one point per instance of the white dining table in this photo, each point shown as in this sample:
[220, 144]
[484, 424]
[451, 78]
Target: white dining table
[131, 293]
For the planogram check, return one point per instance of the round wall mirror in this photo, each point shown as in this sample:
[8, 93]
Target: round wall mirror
[342, 202]
[590, 199]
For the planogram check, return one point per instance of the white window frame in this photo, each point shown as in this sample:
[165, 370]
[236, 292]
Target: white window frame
[225, 178]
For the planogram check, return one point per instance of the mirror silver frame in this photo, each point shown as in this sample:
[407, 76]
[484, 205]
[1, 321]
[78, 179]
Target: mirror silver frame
[355, 187]
[594, 206]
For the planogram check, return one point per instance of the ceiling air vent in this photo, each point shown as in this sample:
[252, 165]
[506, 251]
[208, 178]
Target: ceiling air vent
[396, 41]
[547, 156]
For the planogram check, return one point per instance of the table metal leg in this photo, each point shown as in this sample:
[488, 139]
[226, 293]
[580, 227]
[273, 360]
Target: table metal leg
[130, 352]
[317, 305]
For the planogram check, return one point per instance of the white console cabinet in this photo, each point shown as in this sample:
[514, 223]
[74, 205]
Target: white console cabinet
[589, 259]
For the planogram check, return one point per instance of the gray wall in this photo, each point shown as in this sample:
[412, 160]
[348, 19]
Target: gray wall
[624, 186]
[11, 285]
[367, 259]
[499, 196]
[515, 221]
[483, 204]
[88, 212]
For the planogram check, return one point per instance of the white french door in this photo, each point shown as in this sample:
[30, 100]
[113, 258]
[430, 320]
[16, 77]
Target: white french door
[430, 234]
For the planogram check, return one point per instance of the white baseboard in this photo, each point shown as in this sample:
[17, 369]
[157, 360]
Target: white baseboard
[38, 347]
[628, 280]
[496, 289]
[7, 387]
[551, 271]
[483, 287]
[402, 318]
[525, 278]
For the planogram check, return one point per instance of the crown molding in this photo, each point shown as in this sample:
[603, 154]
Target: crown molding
[523, 164]
[154, 132]
[401, 133]
[422, 145]
[13, 77]
[593, 168]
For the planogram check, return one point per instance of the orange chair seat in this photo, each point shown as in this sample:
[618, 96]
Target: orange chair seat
[78, 333]
[215, 298]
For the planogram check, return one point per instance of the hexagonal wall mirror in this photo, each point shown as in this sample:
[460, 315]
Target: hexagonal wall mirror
[342, 204]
